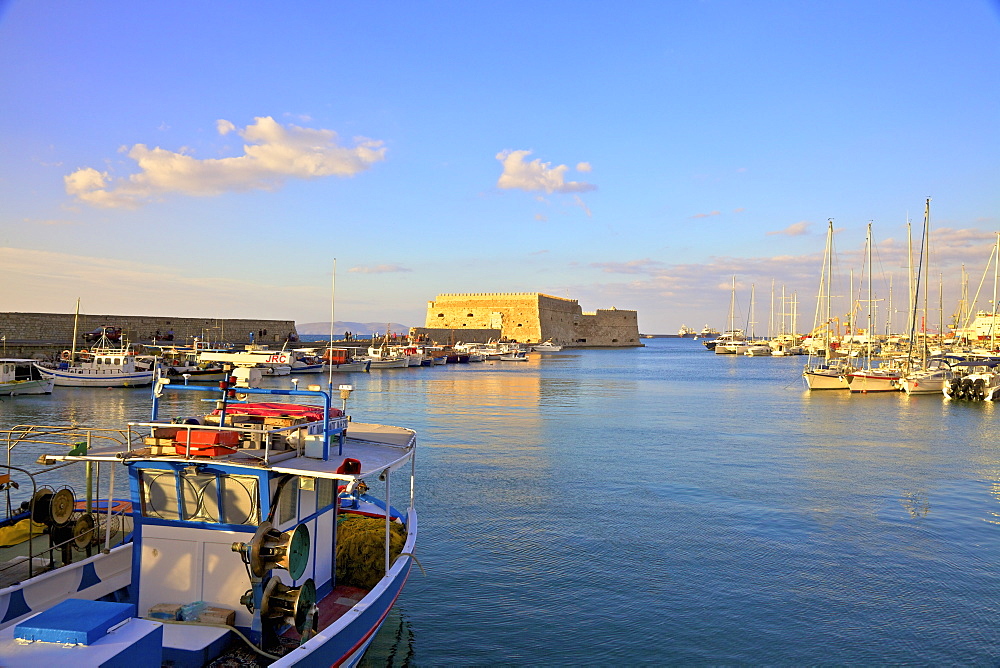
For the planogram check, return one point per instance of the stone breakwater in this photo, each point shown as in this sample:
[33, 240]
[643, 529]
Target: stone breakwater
[46, 334]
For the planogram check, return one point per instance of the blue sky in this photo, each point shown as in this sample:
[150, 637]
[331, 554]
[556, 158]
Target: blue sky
[215, 159]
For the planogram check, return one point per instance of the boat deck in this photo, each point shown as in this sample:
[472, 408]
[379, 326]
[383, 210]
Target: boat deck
[331, 608]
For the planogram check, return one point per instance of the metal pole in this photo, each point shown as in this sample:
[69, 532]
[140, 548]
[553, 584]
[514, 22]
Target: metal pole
[388, 521]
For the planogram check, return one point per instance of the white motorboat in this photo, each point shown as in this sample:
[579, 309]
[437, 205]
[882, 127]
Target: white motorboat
[549, 347]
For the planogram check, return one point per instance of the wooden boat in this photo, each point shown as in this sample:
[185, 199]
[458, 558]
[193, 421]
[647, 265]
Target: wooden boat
[19, 376]
[341, 360]
[108, 364]
[236, 517]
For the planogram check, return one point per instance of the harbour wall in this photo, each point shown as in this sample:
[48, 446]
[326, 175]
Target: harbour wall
[533, 317]
[46, 334]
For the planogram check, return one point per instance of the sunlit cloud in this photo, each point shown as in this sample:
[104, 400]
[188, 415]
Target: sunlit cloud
[272, 154]
[380, 269]
[50, 281]
[643, 266]
[706, 215]
[793, 230]
[700, 292]
[536, 175]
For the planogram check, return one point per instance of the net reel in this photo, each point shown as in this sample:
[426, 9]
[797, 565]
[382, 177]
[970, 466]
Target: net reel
[270, 548]
[291, 605]
[83, 531]
[52, 508]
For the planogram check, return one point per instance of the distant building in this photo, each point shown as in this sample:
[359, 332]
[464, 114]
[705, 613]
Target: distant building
[528, 317]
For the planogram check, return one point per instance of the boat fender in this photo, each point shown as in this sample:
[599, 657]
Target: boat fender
[84, 351]
[350, 466]
[187, 420]
[66, 355]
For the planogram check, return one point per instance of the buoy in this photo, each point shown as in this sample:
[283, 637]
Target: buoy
[66, 354]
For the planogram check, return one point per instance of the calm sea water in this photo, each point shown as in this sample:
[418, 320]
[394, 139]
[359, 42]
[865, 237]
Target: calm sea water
[665, 505]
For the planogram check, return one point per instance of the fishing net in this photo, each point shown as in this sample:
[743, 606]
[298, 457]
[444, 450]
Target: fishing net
[361, 549]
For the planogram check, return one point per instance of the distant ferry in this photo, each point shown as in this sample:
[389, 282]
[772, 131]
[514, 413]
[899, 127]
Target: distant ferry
[984, 327]
[708, 333]
[686, 332]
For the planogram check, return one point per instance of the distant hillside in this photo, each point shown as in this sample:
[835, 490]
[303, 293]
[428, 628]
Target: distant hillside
[340, 326]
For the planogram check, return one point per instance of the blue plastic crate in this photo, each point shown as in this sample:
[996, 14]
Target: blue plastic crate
[74, 621]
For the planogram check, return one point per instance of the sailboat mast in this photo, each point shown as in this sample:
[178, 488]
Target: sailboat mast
[925, 258]
[871, 304]
[76, 320]
[996, 275]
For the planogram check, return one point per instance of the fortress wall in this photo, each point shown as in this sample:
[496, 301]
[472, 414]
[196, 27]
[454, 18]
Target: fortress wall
[532, 318]
[447, 337]
[516, 315]
[609, 327]
[44, 332]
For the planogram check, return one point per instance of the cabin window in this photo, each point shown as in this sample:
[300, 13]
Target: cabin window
[159, 494]
[199, 496]
[288, 503]
[324, 493]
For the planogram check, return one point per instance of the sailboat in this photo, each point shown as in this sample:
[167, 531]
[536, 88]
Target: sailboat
[729, 341]
[885, 377]
[933, 373]
[829, 372]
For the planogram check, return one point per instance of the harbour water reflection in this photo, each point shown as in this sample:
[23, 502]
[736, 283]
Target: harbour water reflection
[667, 505]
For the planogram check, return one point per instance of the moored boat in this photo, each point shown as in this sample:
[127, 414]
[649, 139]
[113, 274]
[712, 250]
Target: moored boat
[19, 376]
[238, 520]
[108, 364]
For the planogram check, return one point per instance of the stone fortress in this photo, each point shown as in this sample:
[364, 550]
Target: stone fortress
[527, 317]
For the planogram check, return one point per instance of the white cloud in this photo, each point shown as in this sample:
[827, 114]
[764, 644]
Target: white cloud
[272, 154]
[537, 175]
[380, 269]
[793, 230]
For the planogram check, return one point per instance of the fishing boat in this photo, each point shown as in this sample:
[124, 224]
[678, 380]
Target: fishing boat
[108, 363]
[546, 347]
[341, 360]
[252, 530]
[514, 356]
[19, 376]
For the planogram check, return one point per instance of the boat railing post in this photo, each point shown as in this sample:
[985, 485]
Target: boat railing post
[110, 502]
[388, 519]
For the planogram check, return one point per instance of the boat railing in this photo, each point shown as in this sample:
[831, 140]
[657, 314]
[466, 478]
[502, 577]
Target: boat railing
[318, 433]
[272, 439]
[22, 557]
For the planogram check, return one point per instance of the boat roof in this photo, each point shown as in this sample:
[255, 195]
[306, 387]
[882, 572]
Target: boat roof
[378, 447]
[17, 359]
